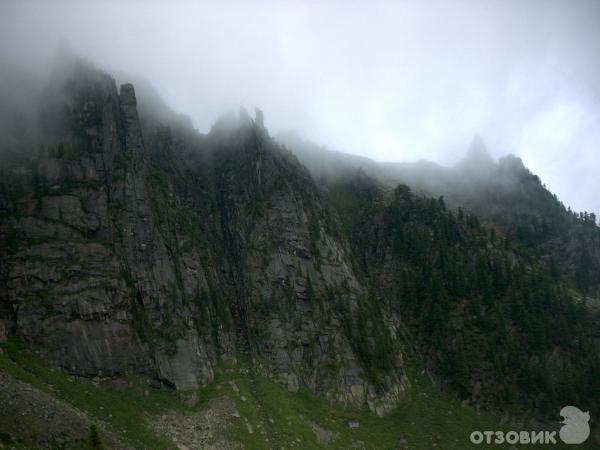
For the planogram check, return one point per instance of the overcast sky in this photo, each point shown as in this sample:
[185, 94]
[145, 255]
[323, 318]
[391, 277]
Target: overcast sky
[395, 81]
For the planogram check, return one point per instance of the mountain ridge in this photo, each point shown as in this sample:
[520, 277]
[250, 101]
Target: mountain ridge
[133, 246]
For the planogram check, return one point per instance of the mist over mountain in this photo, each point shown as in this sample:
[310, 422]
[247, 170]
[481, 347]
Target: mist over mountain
[135, 245]
[393, 82]
[173, 281]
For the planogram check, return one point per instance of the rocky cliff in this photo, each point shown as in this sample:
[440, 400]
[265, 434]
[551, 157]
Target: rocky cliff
[130, 249]
[131, 243]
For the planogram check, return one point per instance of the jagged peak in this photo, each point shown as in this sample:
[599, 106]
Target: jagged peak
[247, 121]
[512, 163]
[478, 159]
[75, 73]
[244, 119]
[478, 151]
[127, 94]
[230, 121]
[512, 160]
[259, 118]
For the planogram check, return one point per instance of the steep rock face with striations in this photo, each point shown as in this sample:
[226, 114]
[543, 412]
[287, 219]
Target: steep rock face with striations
[63, 277]
[139, 250]
[88, 266]
[290, 271]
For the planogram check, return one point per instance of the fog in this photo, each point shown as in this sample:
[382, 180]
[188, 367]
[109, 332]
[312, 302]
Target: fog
[394, 81]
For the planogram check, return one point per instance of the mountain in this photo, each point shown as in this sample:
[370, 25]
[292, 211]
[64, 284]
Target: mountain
[504, 194]
[136, 248]
[494, 325]
[149, 253]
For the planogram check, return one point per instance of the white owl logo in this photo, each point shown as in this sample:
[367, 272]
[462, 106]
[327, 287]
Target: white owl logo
[576, 428]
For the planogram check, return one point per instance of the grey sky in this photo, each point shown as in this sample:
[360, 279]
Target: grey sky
[391, 80]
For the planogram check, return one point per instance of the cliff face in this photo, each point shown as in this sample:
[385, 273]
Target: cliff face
[123, 254]
[289, 269]
[130, 243]
[89, 264]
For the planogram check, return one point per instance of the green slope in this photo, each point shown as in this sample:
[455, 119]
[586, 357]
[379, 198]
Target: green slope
[263, 414]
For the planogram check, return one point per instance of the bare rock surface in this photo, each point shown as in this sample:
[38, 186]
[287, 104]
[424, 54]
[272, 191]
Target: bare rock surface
[204, 429]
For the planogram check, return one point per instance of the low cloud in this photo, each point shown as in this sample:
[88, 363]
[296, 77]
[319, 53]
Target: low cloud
[390, 80]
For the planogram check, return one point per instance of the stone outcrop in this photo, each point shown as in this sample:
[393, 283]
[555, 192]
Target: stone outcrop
[132, 250]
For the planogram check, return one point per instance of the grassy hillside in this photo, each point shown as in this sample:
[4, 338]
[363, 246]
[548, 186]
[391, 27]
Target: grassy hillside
[241, 409]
